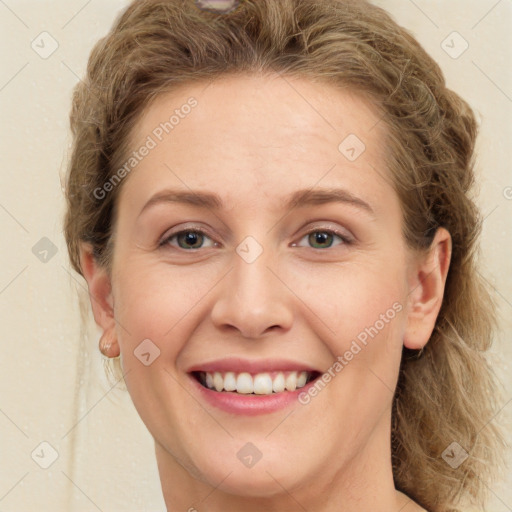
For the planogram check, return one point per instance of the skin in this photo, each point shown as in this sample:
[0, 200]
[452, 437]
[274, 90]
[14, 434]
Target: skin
[253, 140]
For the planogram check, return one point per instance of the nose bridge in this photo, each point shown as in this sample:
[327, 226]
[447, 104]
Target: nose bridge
[253, 281]
[253, 299]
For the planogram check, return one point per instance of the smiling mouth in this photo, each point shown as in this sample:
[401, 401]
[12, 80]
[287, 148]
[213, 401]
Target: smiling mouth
[266, 383]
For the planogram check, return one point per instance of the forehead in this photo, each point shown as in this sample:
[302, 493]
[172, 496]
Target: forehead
[269, 132]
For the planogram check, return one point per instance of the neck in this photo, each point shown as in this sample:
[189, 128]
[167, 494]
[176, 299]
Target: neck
[363, 484]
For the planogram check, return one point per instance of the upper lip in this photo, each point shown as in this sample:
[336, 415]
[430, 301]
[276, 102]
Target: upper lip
[239, 365]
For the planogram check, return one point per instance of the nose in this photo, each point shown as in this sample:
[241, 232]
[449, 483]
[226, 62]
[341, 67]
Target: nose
[253, 299]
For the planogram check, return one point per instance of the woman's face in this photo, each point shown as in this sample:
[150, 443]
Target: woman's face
[257, 239]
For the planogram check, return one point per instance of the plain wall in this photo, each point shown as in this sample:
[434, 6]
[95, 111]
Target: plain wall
[53, 386]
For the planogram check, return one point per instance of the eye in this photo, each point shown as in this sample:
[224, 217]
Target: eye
[323, 239]
[188, 239]
[197, 239]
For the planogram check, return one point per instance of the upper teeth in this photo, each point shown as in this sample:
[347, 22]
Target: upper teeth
[260, 383]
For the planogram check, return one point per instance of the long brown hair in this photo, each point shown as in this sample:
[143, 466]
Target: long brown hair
[446, 393]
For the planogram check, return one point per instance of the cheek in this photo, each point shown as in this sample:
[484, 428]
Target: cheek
[164, 305]
[352, 299]
[155, 301]
[362, 311]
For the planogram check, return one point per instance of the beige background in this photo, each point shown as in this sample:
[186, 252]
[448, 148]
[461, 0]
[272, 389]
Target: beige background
[53, 387]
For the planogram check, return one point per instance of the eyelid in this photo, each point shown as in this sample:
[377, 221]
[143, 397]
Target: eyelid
[345, 235]
[196, 229]
[347, 238]
[344, 241]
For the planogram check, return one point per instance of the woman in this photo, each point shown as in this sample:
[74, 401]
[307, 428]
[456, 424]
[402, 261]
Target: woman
[270, 204]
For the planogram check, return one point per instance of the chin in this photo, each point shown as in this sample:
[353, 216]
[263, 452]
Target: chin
[253, 483]
[266, 478]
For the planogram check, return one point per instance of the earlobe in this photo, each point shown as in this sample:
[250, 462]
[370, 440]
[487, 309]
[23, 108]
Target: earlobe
[427, 282]
[108, 344]
[100, 289]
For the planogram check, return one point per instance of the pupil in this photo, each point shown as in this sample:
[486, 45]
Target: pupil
[192, 238]
[320, 237]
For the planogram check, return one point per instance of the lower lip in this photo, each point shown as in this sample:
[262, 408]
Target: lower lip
[250, 405]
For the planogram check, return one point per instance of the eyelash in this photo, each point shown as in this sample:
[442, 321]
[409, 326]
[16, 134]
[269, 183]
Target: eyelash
[342, 237]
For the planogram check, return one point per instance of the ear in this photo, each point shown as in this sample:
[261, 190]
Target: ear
[427, 279]
[100, 289]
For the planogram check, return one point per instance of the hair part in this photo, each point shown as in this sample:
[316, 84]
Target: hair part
[446, 393]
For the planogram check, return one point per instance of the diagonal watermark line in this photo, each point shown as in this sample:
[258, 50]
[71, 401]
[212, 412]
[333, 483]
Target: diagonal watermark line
[406, 504]
[201, 405]
[192, 307]
[13, 423]
[97, 402]
[495, 289]
[77, 76]
[383, 175]
[486, 14]
[332, 332]
[490, 213]
[377, 122]
[494, 416]
[14, 485]
[2, 1]
[94, 298]
[14, 218]
[14, 76]
[491, 80]
[286, 491]
[281, 422]
[281, 76]
[424, 13]
[371, 371]
[81, 491]
[422, 280]
[12, 280]
[216, 487]
[72, 71]
[76, 14]
[492, 491]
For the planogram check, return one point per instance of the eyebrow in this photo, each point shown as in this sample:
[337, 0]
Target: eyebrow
[299, 199]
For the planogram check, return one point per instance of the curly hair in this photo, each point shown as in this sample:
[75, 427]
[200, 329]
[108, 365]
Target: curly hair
[447, 392]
